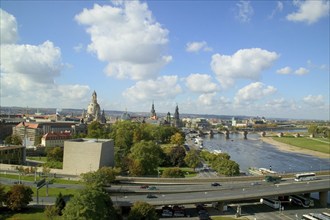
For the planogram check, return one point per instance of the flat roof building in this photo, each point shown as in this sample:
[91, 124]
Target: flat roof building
[84, 155]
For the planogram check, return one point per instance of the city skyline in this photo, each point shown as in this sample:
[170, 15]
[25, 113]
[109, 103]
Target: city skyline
[253, 58]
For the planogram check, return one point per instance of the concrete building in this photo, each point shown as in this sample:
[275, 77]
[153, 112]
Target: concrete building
[85, 155]
[12, 155]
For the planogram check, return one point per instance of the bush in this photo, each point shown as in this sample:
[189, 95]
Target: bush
[173, 173]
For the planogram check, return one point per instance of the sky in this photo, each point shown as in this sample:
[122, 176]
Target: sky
[256, 58]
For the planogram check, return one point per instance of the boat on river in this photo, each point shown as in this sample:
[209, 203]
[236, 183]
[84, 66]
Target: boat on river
[260, 171]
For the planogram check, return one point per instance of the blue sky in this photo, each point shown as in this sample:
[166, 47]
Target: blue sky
[257, 58]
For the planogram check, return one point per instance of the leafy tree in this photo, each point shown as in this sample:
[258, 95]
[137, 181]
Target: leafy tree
[18, 197]
[176, 156]
[98, 130]
[173, 173]
[90, 203]
[2, 195]
[55, 154]
[14, 140]
[147, 155]
[142, 210]
[102, 177]
[192, 159]
[59, 204]
[177, 139]
[313, 129]
[51, 211]
[226, 167]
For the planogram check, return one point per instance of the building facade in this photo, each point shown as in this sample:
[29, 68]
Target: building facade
[85, 155]
[52, 139]
[13, 155]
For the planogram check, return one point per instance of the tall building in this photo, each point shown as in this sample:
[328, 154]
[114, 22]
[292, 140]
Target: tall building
[94, 111]
[177, 122]
[85, 155]
[153, 114]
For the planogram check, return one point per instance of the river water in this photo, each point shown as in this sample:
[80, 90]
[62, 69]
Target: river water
[255, 153]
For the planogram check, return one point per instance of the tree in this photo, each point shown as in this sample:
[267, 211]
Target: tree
[147, 153]
[90, 203]
[177, 155]
[51, 211]
[18, 197]
[312, 129]
[192, 159]
[102, 177]
[173, 173]
[55, 154]
[226, 167]
[14, 139]
[177, 139]
[59, 204]
[2, 195]
[142, 210]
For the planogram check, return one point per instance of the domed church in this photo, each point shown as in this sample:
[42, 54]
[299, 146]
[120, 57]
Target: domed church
[94, 111]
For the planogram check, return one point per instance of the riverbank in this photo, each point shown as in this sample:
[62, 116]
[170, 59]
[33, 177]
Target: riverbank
[290, 148]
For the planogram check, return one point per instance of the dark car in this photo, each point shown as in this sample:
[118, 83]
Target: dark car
[144, 186]
[215, 184]
[151, 196]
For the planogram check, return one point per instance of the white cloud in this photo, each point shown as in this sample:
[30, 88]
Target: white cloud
[8, 28]
[201, 83]
[279, 8]
[310, 11]
[253, 92]
[301, 71]
[28, 75]
[197, 46]
[40, 63]
[207, 98]
[245, 63]
[285, 70]
[127, 37]
[245, 11]
[316, 101]
[164, 87]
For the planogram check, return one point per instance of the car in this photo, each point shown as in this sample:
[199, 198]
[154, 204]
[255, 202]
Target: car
[152, 188]
[215, 184]
[255, 183]
[151, 196]
[167, 213]
[144, 186]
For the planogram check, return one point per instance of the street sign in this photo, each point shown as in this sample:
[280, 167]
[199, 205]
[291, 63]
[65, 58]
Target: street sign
[41, 183]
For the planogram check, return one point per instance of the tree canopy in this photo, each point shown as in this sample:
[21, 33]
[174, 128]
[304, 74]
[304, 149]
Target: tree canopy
[18, 197]
[192, 159]
[142, 210]
[90, 204]
[102, 177]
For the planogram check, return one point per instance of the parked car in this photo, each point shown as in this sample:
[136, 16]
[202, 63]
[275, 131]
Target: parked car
[167, 213]
[144, 186]
[215, 184]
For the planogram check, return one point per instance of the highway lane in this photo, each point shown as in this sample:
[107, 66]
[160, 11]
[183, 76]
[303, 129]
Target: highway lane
[228, 194]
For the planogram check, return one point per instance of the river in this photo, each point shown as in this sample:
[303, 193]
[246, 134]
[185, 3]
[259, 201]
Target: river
[255, 153]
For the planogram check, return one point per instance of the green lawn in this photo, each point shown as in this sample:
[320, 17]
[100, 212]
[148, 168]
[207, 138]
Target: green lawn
[189, 172]
[42, 159]
[31, 178]
[28, 214]
[307, 143]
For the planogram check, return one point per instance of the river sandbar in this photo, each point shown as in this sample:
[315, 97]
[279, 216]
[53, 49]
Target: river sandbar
[289, 148]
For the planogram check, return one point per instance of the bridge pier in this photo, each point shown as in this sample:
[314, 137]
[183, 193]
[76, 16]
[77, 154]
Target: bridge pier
[323, 198]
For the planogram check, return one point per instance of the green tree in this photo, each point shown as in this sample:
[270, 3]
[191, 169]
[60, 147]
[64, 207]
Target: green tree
[102, 177]
[148, 154]
[55, 154]
[18, 197]
[177, 139]
[142, 210]
[173, 173]
[59, 204]
[51, 211]
[312, 129]
[14, 140]
[2, 195]
[192, 159]
[90, 203]
[226, 167]
[176, 156]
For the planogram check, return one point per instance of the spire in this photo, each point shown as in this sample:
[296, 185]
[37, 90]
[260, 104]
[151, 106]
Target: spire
[94, 97]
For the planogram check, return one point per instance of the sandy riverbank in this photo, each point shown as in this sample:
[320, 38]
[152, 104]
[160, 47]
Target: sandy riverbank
[290, 148]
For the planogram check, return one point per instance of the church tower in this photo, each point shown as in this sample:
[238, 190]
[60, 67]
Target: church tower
[93, 109]
[153, 112]
[177, 117]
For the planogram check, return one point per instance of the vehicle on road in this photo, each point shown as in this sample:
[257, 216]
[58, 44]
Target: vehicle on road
[271, 202]
[144, 186]
[167, 213]
[304, 176]
[273, 179]
[302, 201]
[255, 183]
[215, 184]
[152, 188]
[151, 196]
